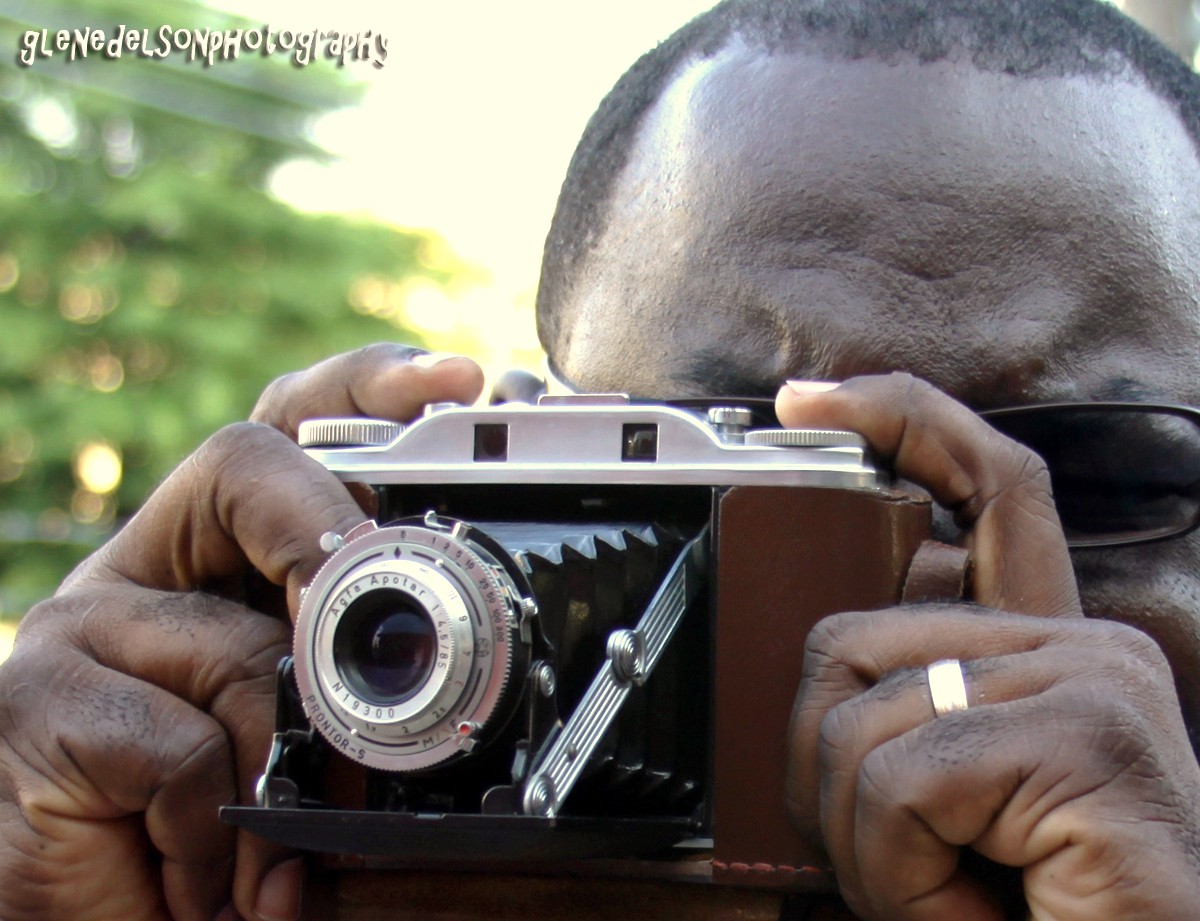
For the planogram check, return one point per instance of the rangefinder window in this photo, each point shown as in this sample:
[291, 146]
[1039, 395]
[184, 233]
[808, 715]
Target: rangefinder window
[640, 442]
[491, 442]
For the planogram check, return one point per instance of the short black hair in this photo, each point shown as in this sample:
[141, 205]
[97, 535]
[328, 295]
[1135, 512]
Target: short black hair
[1021, 37]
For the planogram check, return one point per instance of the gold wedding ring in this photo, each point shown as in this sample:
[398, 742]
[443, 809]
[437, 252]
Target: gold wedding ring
[947, 686]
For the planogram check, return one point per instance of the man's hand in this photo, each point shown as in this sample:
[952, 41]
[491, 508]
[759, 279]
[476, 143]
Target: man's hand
[140, 698]
[1071, 763]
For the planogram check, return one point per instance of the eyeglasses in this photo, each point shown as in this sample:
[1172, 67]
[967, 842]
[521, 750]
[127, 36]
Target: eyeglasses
[1122, 473]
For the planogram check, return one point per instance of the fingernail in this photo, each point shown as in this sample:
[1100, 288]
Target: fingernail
[806, 387]
[279, 892]
[228, 913]
[430, 359]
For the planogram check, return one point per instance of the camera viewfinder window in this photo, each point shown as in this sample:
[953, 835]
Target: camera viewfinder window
[640, 442]
[491, 442]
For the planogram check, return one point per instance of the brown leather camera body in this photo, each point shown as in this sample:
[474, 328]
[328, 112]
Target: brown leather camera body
[785, 559]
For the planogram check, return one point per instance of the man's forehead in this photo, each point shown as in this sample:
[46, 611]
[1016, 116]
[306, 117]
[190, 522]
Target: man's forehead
[914, 185]
[908, 103]
[865, 132]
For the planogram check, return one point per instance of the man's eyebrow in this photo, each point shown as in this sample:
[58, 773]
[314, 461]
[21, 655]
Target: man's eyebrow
[714, 373]
[1127, 389]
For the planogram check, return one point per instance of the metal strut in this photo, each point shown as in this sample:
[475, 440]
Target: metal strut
[632, 656]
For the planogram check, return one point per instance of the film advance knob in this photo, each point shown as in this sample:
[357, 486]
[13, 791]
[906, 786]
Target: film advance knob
[347, 433]
[804, 438]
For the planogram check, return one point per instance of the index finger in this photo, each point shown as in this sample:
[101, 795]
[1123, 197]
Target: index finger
[998, 490]
[249, 497]
[384, 381]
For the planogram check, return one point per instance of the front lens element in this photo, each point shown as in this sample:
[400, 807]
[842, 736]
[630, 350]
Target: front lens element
[384, 646]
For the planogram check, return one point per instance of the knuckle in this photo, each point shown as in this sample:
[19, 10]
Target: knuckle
[1028, 486]
[906, 393]
[261, 643]
[1022, 482]
[1029, 470]
[242, 452]
[822, 637]
[256, 648]
[1119, 714]
[276, 392]
[196, 748]
[899, 391]
[839, 726]
[371, 357]
[1134, 661]
[183, 747]
[1116, 729]
[1140, 647]
[376, 351]
[245, 706]
[62, 619]
[238, 438]
[827, 636]
[46, 616]
[1118, 650]
[822, 647]
[292, 554]
[878, 785]
[837, 642]
[910, 385]
[39, 669]
[239, 644]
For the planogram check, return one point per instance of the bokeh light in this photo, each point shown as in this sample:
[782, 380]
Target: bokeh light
[98, 467]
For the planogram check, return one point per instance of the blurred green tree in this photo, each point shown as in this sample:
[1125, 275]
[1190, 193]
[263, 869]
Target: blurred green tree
[150, 286]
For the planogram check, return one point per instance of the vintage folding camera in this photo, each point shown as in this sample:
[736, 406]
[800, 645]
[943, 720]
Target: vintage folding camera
[573, 630]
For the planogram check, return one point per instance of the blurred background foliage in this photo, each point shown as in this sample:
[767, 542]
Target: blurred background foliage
[149, 285]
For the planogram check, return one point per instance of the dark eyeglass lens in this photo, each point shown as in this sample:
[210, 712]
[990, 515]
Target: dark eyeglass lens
[1118, 475]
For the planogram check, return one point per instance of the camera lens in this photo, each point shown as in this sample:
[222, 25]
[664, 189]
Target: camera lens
[384, 646]
[407, 633]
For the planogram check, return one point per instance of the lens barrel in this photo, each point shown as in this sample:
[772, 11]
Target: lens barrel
[408, 634]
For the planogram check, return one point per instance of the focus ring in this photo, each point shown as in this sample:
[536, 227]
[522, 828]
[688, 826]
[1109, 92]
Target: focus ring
[468, 600]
